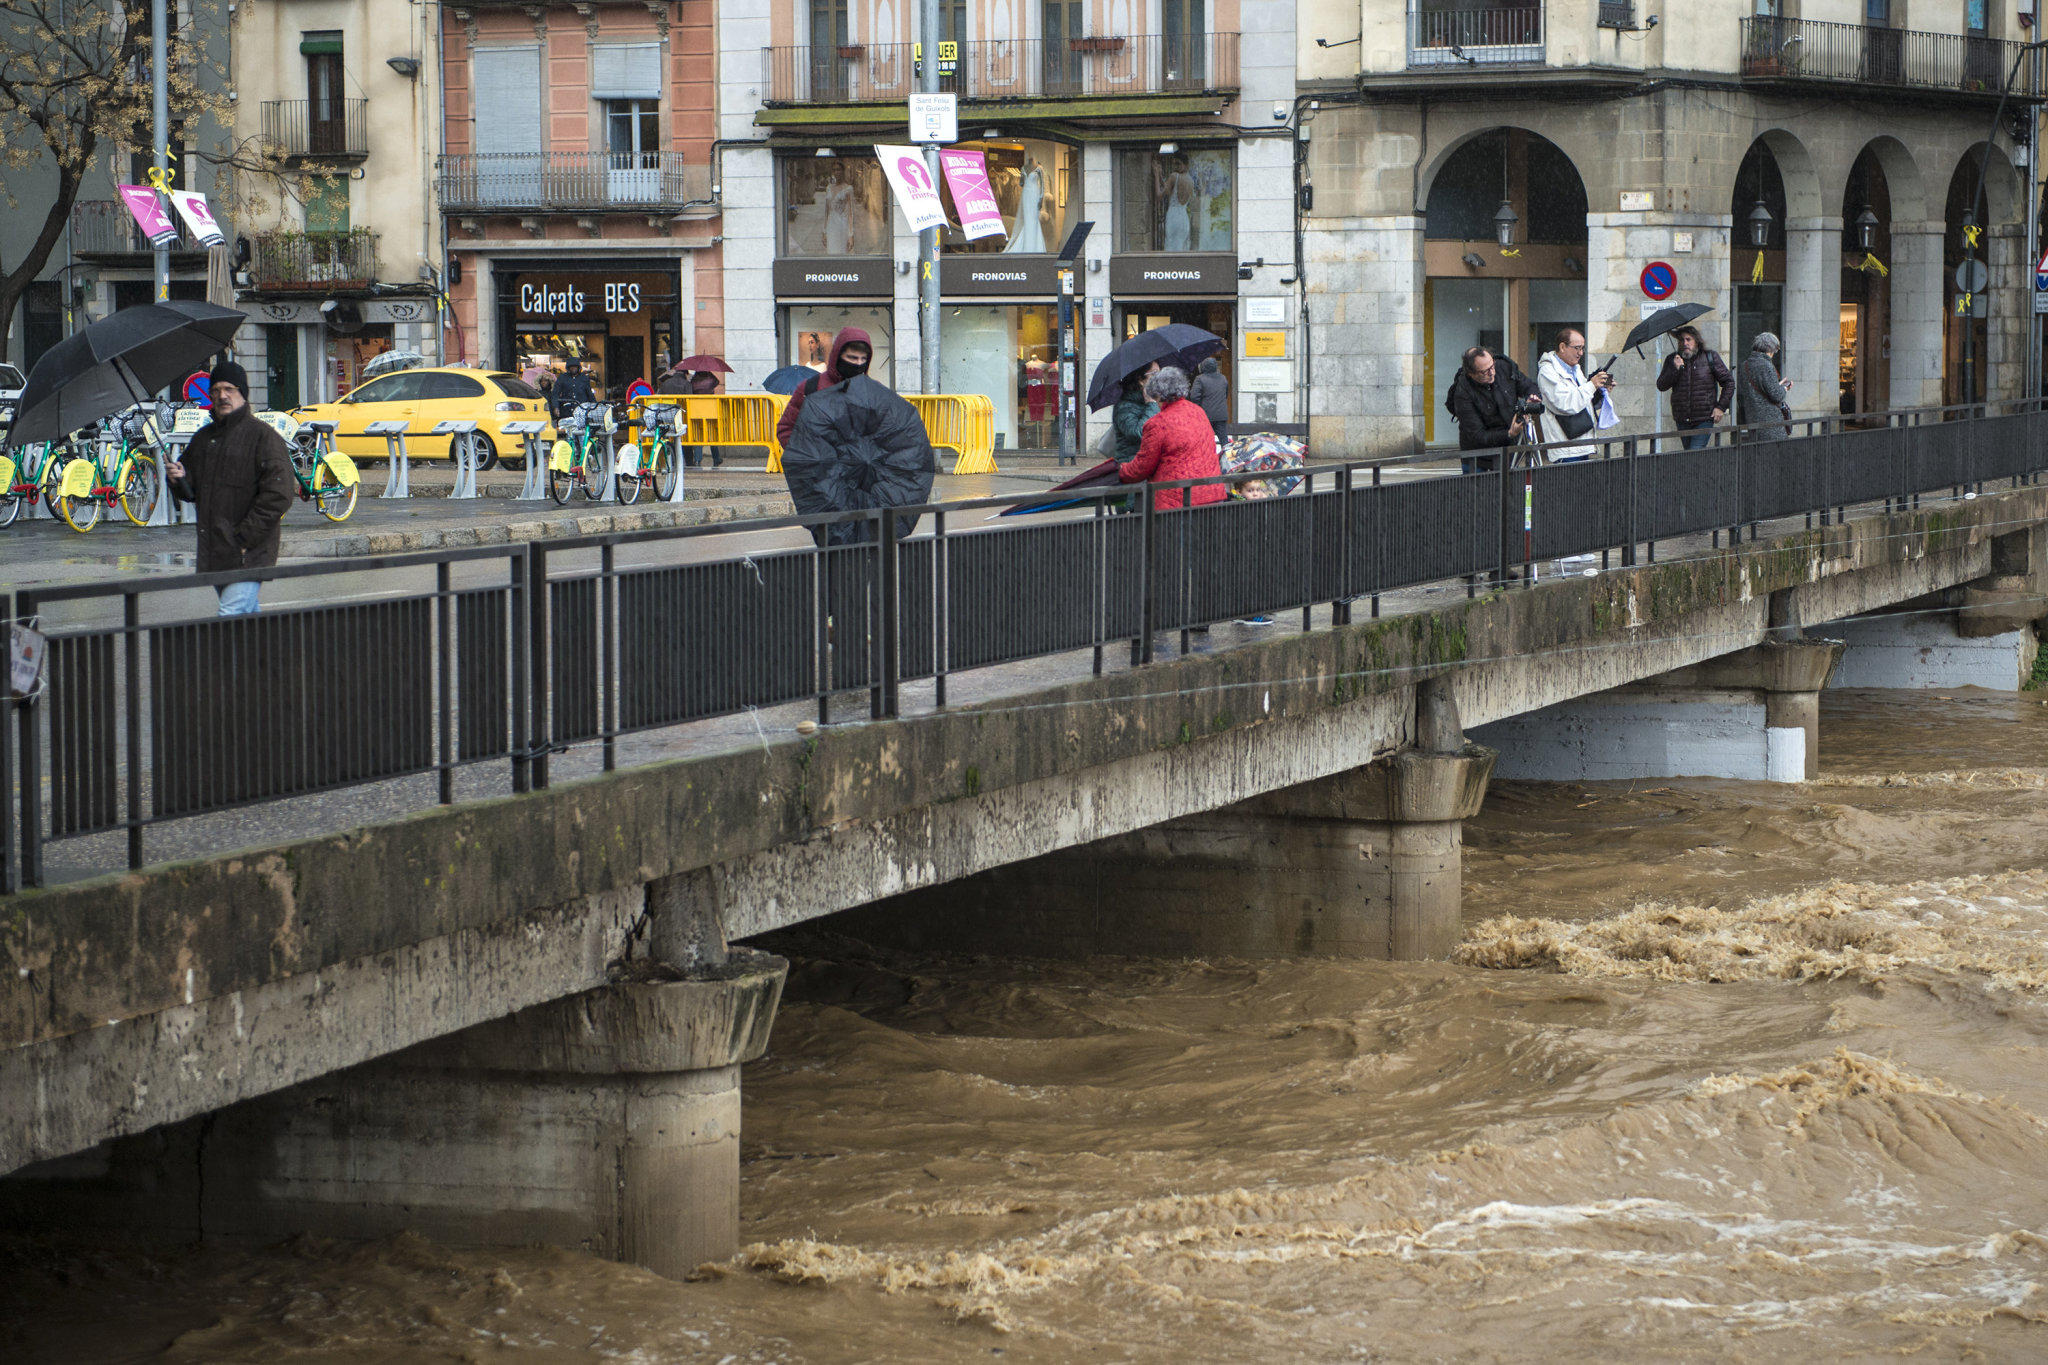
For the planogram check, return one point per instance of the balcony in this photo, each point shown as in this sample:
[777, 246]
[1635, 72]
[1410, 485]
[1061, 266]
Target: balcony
[320, 262]
[1492, 35]
[1619, 14]
[1007, 69]
[564, 182]
[318, 130]
[104, 227]
[1800, 52]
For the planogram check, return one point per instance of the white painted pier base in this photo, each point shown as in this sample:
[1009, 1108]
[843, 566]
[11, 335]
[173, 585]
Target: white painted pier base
[1926, 651]
[1752, 716]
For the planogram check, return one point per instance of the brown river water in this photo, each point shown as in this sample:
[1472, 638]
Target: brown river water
[1724, 1070]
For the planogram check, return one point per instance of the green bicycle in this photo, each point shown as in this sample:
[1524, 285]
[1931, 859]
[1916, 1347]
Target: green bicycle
[653, 456]
[573, 463]
[30, 480]
[121, 469]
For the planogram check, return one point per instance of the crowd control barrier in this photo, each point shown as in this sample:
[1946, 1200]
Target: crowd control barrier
[964, 421]
[727, 419]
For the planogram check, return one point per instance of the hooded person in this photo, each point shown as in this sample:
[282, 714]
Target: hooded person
[1210, 392]
[858, 446]
[838, 369]
[239, 473]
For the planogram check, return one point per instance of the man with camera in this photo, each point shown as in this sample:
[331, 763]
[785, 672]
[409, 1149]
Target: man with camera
[1492, 402]
[1571, 397]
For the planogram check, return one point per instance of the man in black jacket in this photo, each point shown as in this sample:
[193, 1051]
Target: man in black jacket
[1486, 399]
[238, 470]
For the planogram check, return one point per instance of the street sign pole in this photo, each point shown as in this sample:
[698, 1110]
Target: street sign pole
[928, 240]
[160, 100]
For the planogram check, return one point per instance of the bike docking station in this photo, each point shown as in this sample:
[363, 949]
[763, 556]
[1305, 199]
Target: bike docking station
[464, 450]
[535, 489]
[397, 483]
[170, 445]
[668, 419]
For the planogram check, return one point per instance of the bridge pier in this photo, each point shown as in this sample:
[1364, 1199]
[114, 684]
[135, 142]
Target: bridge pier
[1753, 715]
[1977, 634]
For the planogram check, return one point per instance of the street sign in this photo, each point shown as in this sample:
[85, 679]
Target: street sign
[1660, 280]
[2041, 302]
[1972, 276]
[934, 118]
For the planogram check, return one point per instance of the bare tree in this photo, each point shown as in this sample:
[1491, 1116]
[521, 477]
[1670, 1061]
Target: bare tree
[75, 86]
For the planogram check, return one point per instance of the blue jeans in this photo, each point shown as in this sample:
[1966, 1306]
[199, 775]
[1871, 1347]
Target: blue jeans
[238, 599]
[1699, 442]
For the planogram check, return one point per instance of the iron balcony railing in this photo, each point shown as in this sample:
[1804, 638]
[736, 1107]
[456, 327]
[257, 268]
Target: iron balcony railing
[314, 260]
[558, 181]
[480, 671]
[1474, 35]
[334, 130]
[1802, 50]
[1008, 68]
[1617, 14]
[104, 227]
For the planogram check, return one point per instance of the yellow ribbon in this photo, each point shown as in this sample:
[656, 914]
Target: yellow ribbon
[1963, 305]
[1511, 251]
[1972, 234]
[1756, 272]
[1870, 262]
[160, 179]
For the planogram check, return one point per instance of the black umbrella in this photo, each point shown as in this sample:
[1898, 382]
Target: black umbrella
[858, 445]
[1179, 344]
[1656, 325]
[787, 378]
[118, 361]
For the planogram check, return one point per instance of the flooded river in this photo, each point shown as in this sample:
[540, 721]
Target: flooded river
[1724, 1070]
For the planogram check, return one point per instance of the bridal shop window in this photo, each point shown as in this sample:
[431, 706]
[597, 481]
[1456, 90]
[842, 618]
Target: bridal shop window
[1179, 200]
[1038, 188]
[809, 330]
[833, 206]
[1011, 353]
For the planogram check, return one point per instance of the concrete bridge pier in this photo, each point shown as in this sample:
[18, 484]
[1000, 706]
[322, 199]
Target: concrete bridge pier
[1977, 634]
[1366, 863]
[1753, 715]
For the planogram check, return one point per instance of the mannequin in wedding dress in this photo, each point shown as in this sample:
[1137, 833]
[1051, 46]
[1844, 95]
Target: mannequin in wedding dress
[1027, 232]
[838, 199]
[1176, 192]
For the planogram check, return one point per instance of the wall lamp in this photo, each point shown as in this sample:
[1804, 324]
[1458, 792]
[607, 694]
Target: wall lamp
[1760, 221]
[1504, 220]
[1866, 228]
[408, 67]
[1168, 148]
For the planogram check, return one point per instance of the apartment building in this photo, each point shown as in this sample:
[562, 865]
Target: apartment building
[1166, 124]
[575, 185]
[1484, 173]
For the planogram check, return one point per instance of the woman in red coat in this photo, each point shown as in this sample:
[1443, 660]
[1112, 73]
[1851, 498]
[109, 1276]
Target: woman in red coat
[1178, 443]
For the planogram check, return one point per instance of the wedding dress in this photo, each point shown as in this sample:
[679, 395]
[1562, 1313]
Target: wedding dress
[1028, 234]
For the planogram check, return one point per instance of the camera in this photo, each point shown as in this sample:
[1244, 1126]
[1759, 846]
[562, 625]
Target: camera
[1529, 407]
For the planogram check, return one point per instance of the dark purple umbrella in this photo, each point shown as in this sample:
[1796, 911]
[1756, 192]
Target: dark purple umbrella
[1104, 475]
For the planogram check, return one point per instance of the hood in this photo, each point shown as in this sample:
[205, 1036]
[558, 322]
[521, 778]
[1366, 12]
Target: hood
[1210, 366]
[847, 336]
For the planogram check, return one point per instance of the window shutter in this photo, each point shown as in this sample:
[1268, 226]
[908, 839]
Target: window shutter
[626, 71]
[507, 100]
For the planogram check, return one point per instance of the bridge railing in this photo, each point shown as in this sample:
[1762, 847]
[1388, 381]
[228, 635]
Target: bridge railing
[412, 680]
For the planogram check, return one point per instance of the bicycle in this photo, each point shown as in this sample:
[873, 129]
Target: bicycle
[653, 457]
[30, 480]
[327, 478]
[570, 465]
[122, 468]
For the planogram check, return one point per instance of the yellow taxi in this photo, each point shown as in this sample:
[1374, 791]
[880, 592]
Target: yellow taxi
[423, 399]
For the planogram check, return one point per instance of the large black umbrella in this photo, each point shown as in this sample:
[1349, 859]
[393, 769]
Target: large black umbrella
[858, 445]
[1656, 325]
[1179, 344]
[118, 361]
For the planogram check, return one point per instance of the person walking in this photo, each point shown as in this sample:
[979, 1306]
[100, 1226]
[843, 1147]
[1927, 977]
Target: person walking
[1211, 393]
[1127, 419]
[571, 389]
[852, 351]
[1571, 397]
[239, 473]
[1763, 392]
[1701, 385]
[1486, 400]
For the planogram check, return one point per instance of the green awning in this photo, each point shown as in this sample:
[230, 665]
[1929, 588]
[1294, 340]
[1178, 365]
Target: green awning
[321, 44]
[1154, 107]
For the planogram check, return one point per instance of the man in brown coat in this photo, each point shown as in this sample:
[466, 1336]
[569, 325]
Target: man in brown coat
[238, 471]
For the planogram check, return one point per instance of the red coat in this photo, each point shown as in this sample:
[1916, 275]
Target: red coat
[1178, 443]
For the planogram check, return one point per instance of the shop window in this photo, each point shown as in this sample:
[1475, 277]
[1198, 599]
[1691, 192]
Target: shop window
[1038, 188]
[834, 206]
[810, 331]
[1182, 200]
[1010, 353]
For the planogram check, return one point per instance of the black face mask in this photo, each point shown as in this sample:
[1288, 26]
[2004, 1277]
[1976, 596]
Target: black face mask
[850, 368]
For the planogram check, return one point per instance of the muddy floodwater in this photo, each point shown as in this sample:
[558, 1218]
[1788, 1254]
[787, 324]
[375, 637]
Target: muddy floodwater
[1722, 1071]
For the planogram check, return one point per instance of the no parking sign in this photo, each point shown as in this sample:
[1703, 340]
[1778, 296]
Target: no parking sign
[1660, 281]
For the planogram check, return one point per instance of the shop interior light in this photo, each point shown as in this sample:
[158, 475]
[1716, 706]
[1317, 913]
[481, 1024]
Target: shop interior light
[1760, 226]
[1866, 228]
[991, 132]
[824, 151]
[1168, 148]
[1504, 220]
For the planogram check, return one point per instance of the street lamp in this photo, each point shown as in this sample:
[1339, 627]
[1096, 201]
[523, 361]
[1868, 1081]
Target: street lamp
[1504, 220]
[1760, 221]
[1866, 229]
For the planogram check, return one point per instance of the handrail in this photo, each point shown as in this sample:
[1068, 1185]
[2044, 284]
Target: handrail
[1808, 50]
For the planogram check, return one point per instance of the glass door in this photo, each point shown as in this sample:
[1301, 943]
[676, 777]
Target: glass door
[1183, 40]
[1062, 30]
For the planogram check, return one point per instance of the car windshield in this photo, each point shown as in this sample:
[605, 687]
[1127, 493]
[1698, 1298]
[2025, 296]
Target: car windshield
[10, 378]
[515, 387]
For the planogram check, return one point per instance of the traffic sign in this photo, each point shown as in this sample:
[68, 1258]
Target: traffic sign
[934, 117]
[1972, 276]
[1660, 280]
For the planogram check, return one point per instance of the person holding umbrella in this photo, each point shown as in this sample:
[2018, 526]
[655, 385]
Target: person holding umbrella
[852, 350]
[1133, 410]
[858, 445]
[240, 474]
[1701, 385]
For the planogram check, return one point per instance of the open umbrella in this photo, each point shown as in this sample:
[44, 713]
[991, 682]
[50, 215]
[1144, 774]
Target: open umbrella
[787, 378]
[858, 445]
[389, 361]
[118, 361]
[1656, 325]
[1103, 475]
[703, 362]
[1180, 344]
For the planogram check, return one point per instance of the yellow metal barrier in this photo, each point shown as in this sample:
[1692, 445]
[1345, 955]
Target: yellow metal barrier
[964, 421]
[727, 419]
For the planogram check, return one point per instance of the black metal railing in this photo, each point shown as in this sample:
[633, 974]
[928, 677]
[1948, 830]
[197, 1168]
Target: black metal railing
[1617, 14]
[510, 182]
[104, 227]
[1802, 50]
[1009, 68]
[153, 726]
[334, 130]
[1474, 35]
[314, 260]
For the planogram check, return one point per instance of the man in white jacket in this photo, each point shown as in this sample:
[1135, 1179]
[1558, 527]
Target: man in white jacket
[1570, 396]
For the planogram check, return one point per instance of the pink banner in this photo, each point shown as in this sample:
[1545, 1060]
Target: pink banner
[149, 215]
[974, 199]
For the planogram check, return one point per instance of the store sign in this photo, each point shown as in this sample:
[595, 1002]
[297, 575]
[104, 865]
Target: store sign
[916, 195]
[567, 298]
[1265, 343]
[840, 277]
[1173, 272]
[999, 274]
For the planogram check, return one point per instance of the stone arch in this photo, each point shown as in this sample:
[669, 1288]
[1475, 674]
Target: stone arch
[2003, 195]
[1905, 183]
[1442, 156]
[1796, 168]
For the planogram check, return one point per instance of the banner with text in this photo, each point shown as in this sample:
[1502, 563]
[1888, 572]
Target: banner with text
[915, 193]
[149, 215]
[199, 219]
[974, 199]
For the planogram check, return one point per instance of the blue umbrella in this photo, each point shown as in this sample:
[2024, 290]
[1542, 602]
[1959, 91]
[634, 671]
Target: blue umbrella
[787, 378]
